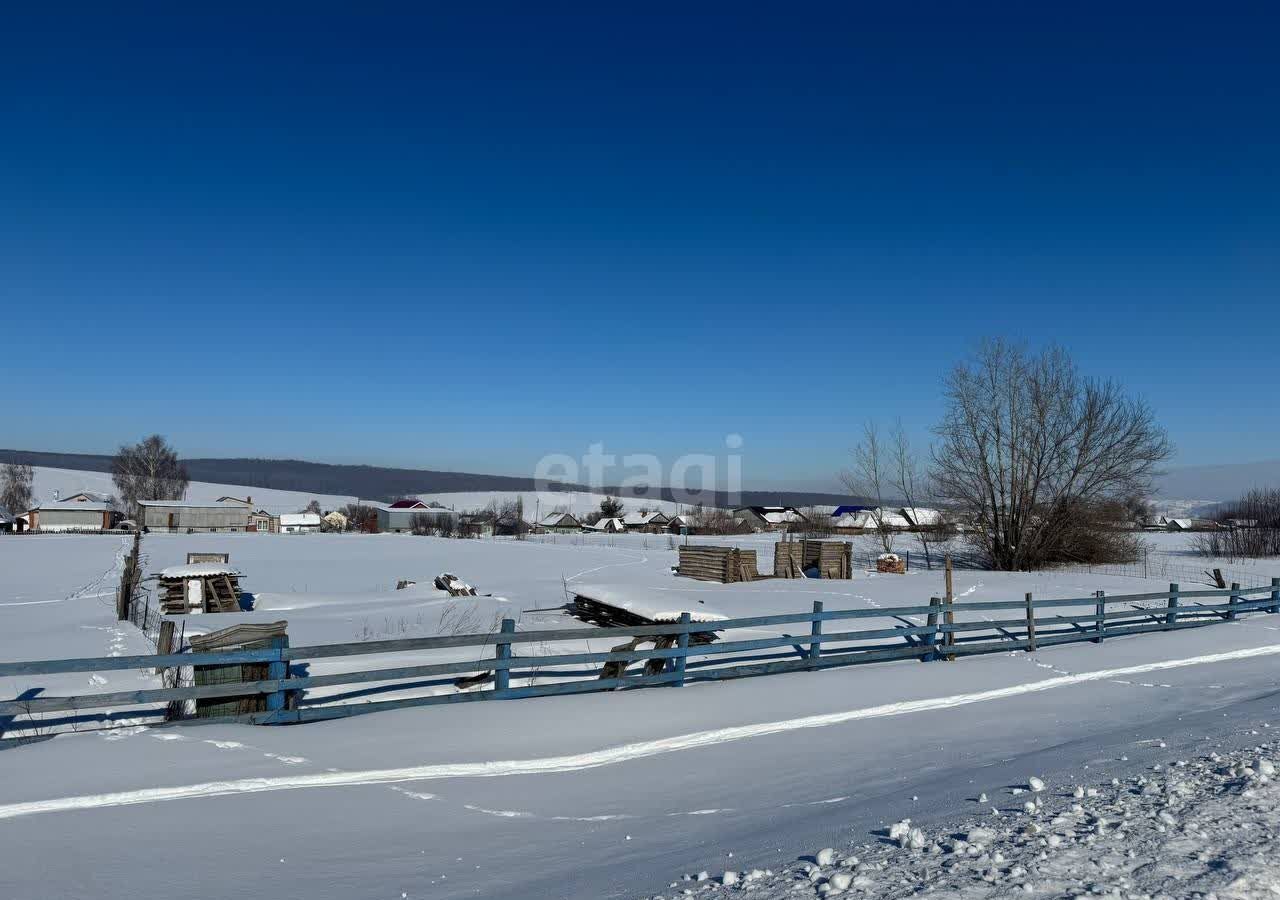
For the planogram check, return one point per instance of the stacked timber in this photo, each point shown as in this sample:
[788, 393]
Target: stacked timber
[830, 559]
[726, 565]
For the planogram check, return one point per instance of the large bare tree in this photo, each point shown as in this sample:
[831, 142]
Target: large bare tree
[148, 470]
[1028, 447]
[15, 488]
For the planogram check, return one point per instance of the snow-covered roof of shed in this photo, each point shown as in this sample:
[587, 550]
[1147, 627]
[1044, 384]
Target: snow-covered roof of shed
[919, 515]
[658, 604]
[198, 570]
[557, 518]
[606, 524]
[76, 504]
[300, 519]
[189, 504]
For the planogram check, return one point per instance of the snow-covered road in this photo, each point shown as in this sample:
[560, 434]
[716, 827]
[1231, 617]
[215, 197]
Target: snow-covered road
[607, 795]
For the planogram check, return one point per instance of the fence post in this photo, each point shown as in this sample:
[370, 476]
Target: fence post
[815, 630]
[1275, 595]
[1031, 626]
[278, 670]
[1171, 617]
[1101, 615]
[931, 639]
[1232, 601]
[682, 641]
[502, 676]
[949, 639]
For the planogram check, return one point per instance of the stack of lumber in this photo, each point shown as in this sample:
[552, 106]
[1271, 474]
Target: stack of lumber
[454, 585]
[831, 559]
[726, 565]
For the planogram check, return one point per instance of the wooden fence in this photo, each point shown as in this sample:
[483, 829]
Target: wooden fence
[1024, 624]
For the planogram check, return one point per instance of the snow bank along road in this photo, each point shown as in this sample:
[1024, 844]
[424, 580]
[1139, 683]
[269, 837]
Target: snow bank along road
[1203, 828]
[610, 756]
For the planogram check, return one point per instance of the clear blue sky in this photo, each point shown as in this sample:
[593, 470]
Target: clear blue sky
[412, 235]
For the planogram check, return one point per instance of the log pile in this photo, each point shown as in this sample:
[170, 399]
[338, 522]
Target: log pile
[726, 565]
[891, 564]
[454, 586]
[831, 559]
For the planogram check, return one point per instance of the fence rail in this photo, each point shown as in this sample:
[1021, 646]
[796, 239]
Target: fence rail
[1038, 623]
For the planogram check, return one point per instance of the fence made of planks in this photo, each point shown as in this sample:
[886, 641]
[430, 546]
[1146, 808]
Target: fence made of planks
[987, 627]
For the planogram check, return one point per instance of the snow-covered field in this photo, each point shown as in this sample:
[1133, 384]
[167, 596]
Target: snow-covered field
[615, 794]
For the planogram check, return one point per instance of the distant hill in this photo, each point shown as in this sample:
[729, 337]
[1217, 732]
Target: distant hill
[385, 483]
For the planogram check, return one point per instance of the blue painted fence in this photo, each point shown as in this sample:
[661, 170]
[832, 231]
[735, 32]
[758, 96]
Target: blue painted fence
[811, 648]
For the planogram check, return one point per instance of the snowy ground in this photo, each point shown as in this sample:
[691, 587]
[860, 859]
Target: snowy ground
[1204, 826]
[608, 795]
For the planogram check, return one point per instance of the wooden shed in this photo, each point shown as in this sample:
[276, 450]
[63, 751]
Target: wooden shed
[726, 565]
[199, 587]
[832, 559]
[245, 636]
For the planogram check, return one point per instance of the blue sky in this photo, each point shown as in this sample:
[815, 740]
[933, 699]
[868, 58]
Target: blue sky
[413, 235]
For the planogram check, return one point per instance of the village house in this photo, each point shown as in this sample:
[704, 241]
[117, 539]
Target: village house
[508, 524]
[769, 518]
[73, 515]
[263, 522]
[607, 526]
[299, 523]
[560, 523]
[648, 522]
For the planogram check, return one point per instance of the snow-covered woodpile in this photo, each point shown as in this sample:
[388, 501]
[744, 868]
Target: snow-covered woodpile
[726, 565]
[201, 587]
[891, 564]
[825, 559]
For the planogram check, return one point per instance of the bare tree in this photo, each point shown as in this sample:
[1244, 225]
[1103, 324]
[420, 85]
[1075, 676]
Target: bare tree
[148, 470]
[911, 483]
[361, 517]
[15, 488]
[870, 477]
[313, 507]
[1028, 448]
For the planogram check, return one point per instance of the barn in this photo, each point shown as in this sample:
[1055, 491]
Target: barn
[182, 516]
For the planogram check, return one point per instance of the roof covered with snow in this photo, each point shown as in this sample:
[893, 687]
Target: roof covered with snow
[185, 504]
[81, 505]
[299, 519]
[634, 519]
[553, 520]
[658, 604]
[198, 570]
